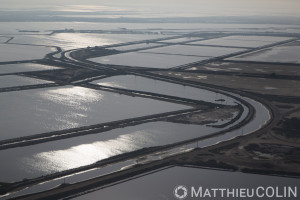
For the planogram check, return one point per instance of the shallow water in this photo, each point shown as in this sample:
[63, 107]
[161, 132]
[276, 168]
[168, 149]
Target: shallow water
[289, 54]
[13, 80]
[41, 159]
[160, 185]
[12, 52]
[81, 40]
[184, 39]
[71, 179]
[24, 67]
[3, 39]
[135, 46]
[257, 38]
[136, 59]
[161, 87]
[261, 116]
[41, 110]
[243, 41]
[194, 50]
[55, 156]
[232, 42]
[46, 27]
[49, 105]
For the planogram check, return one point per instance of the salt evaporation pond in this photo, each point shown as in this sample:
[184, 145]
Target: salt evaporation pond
[161, 185]
[232, 43]
[136, 59]
[69, 41]
[13, 52]
[184, 39]
[13, 81]
[46, 27]
[24, 67]
[279, 54]
[41, 159]
[71, 179]
[189, 50]
[161, 87]
[55, 156]
[135, 46]
[258, 38]
[242, 41]
[3, 39]
[261, 116]
[41, 110]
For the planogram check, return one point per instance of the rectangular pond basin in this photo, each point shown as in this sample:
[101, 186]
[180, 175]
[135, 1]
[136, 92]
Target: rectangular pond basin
[42, 110]
[161, 87]
[150, 60]
[14, 52]
[257, 68]
[232, 42]
[13, 81]
[257, 38]
[179, 40]
[147, 187]
[25, 67]
[242, 41]
[278, 54]
[187, 50]
[55, 156]
[135, 46]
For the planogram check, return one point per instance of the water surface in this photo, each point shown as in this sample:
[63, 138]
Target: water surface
[25, 67]
[193, 50]
[232, 42]
[42, 110]
[41, 159]
[13, 80]
[135, 46]
[161, 87]
[289, 54]
[81, 40]
[160, 185]
[12, 52]
[184, 39]
[150, 60]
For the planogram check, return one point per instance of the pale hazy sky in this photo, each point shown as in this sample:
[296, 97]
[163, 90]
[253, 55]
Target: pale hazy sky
[173, 7]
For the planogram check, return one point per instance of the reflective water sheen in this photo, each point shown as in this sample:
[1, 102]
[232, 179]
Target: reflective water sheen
[81, 40]
[24, 67]
[41, 110]
[12, 52]
[13, 80]
[161, 87]
[56, 156]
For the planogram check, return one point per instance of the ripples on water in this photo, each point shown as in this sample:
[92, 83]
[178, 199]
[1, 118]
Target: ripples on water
[41, 110]
[64, 154]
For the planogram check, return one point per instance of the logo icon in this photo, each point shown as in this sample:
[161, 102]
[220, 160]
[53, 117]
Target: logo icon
[180, 192]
